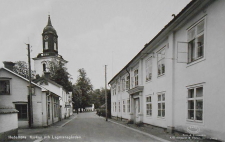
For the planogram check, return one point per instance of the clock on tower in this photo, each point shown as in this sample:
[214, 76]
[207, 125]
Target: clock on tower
[50, 39]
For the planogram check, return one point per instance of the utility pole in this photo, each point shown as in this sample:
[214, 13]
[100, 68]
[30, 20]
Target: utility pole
[30, 91]
[106, 115]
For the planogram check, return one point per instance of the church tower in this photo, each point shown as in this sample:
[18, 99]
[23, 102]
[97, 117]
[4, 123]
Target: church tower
[50, 50]
[50, 39]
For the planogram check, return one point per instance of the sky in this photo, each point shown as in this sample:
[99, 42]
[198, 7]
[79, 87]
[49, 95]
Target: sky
[91, 33]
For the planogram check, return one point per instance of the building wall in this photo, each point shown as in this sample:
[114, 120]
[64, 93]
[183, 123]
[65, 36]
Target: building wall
[4, 122]
[19, 95]
[179, 77]
[209, 72]
[8, 129]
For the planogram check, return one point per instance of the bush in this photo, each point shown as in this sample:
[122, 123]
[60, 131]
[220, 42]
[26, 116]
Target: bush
[101, 112]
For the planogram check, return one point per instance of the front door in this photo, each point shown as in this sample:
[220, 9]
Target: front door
[136, 110]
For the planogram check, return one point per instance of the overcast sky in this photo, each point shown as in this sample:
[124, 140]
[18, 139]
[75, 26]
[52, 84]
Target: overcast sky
[92, 33]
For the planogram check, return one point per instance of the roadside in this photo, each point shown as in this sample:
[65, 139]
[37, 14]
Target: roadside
[160, 132]
[36, 134]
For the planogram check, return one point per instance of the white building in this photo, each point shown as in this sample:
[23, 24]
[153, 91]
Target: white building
[176, 80]
[14, 94]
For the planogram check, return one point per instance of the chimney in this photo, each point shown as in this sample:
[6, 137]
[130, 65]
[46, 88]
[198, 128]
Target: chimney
[47, 74]
[8, 64]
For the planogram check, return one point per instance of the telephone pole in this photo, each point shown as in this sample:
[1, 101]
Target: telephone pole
[106, 115]
[30, 91]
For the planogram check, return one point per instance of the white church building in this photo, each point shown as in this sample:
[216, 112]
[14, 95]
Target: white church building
[176, 81]
[42, 64]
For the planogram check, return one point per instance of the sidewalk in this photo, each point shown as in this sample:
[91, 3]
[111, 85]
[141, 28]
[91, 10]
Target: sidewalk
[36, 134]
[159, 132]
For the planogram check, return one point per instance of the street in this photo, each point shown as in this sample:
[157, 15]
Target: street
[84, 127]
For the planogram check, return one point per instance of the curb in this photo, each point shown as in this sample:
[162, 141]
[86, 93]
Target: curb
[147, 134]
[68, 121]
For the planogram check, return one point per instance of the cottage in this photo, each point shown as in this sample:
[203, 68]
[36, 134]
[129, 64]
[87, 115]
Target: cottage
[14, 94]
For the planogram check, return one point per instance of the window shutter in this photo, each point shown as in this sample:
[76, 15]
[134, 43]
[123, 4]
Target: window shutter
[182, 52]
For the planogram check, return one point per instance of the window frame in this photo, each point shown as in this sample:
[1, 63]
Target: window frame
[148, 69]
[124, 106]
[127, 82]
[194, 99]
[118, 85]
[46, 45]
[160, 70]
[195, 38]
[136, 77]
[148, 103]
[123, 84]
[128, 106]
[7, 90]
[119, 106]
[19, 113]
[161, 102]
[55, 46]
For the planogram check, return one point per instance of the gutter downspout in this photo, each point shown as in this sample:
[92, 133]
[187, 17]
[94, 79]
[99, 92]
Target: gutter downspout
[129, 94]
[47, 107]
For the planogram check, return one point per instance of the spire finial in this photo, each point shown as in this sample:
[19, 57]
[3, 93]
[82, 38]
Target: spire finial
[49, 21]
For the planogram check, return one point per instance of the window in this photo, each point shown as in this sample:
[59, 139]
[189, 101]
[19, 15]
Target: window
[44, 67]
[32, 90]
[149, 106]
[22, 114]
[118, 85]
[55, 46]
[161, 62]
[119, 106]
[128, 105]
[115, 107]
[124, 107]
[123, 84]
[48, 107]
[4, 87]
[55, 107]
[46, 45]
[161, 105]
[135, 77]
[148, 69]
[195, 104]
[196, 42]
[128, 82]
[114, 89]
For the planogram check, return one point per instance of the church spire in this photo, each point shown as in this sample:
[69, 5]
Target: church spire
[49, 21]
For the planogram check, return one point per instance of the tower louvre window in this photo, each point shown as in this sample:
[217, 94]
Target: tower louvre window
[46, 45]
[44, 67]
[55, 46]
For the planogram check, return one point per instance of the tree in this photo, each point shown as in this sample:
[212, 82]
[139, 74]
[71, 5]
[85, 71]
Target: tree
[21, 68]
[83, 89]
[59, 74]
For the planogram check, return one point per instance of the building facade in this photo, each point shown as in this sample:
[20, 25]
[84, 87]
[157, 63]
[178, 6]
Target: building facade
[14, 94]
[175, 81]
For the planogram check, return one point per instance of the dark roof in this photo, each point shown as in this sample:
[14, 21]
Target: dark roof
[49, 28]
[48, 80]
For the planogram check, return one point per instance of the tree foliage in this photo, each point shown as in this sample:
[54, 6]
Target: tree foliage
[82, 90]
[59, 74]
[22, 68]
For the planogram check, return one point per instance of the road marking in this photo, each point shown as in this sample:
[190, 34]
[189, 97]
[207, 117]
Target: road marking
[147, 134]
[68, 121]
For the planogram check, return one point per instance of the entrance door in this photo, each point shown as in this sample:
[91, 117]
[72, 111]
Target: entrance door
[136, 110]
